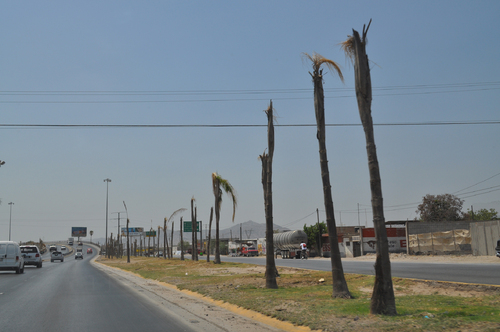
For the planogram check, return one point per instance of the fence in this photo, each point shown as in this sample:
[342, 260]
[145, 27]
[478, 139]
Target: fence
[461, 237]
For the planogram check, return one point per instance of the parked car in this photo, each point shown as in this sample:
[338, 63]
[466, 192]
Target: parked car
[89, 250]
[11, 258]
[31, 255]
[56, 256]
[79, 255]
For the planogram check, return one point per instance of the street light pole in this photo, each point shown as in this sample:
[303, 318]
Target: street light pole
[10, 219]
[107, 183]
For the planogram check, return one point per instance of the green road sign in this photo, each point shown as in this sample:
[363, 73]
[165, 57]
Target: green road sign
[188, 226]
[150, 233]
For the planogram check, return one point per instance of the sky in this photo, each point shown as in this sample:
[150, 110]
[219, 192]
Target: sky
[158, 95]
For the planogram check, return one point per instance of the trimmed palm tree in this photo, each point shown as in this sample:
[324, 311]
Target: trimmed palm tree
[166, 221]
[210, 232]
[383, 301]
[267, 184]
[220, 185]
[339, 284]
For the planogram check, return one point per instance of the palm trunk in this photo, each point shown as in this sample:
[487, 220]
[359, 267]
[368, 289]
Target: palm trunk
[128, 246]
[193, 230]
[340, 288]
[383, 301]
[171, 249]
[267, 184]
[209, 233]
[217, 216]
[165, 238]
[182, 242]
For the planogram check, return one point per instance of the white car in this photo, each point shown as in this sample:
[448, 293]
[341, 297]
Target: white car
[56, 256]
[79, 255]
[31, 255]
[11, 258]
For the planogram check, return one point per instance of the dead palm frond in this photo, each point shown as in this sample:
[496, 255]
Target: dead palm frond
[318, 60]
[348, 47]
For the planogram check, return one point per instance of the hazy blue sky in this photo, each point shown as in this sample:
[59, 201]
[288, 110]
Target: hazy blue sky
[205, 63]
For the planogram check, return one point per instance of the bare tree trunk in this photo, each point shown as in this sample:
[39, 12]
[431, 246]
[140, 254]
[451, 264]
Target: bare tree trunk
[193, 231]
[128, 246]
[182, 243]
[383, 301]
[217, 252]
[165, 240]
[340, 288]
[171, 249]
[209, 233]
[267, 184]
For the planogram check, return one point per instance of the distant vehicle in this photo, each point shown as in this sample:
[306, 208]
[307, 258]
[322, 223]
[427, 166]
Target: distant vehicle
[52, 248]
[79, 255]
[56, 256]
[70, 241]
[80, 243]
[31, 255]
[63, 248]
[78, 249]
[497, 248]
[11, 258]
[287, 244]
[89, 250]
[249, 251]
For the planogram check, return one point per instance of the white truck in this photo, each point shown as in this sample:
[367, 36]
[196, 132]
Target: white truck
[70, 241]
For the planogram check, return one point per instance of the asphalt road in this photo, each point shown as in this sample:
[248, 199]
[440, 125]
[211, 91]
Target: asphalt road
[488, 274]
[74, 295]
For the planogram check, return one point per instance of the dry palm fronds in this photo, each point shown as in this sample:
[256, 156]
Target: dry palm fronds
[348, 47]
[318, 60]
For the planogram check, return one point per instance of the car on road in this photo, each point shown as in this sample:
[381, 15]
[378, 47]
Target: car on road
[79, 255]
[53, 248]
[63, 248]
[56, 256]
[31, 255]
[80, 243]
[89, 250]
[11, 258]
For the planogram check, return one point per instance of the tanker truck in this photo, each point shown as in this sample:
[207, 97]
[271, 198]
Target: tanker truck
[287, 244]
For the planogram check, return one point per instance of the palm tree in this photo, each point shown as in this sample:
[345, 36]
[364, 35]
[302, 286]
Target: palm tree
[219, 185]
[339, 284]
[267, 184]
[166, 221]
[194, 234]
[383, 301]
[210, 233]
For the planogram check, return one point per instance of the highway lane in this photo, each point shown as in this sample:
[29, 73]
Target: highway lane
[488, 274]
[74, 295]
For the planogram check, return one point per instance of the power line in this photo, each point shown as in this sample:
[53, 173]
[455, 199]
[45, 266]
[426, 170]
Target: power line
[404, 90]
[55, 126]
[491, 177]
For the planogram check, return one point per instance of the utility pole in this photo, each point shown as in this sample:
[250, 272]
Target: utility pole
[119, 238]
[107, 185]
[358, 217]
[319, 236]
